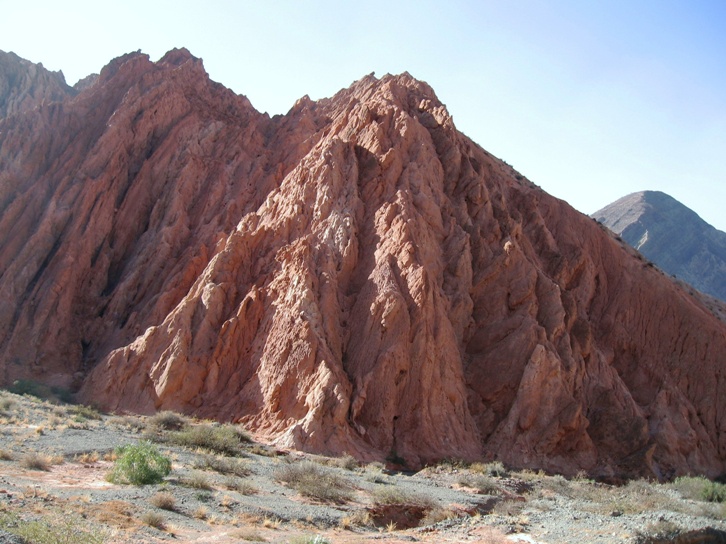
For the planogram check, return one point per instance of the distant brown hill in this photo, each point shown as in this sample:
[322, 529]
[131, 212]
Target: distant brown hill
[672, 236]
[354, 276]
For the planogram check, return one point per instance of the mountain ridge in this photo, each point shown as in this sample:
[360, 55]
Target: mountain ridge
[354, 276]
[672, 236]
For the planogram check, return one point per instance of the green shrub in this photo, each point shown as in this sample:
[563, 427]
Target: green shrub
[139, 464]
[714, 492]
[223, 439]
[690, 487]
[311, 480]
[497, 469]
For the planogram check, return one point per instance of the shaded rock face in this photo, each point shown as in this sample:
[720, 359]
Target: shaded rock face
[24, 85]
[354, 276]
[672, 236]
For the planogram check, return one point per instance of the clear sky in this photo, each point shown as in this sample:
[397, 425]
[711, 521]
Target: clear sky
[589, 99]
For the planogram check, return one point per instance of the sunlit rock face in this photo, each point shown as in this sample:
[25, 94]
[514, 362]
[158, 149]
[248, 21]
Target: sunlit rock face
[354, 276]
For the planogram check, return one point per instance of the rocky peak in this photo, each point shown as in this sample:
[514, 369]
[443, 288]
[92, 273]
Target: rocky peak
[672, 236]
[25, 85]
[177, 57]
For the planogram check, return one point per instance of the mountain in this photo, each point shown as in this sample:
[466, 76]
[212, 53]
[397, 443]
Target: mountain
[672, 236]
[25, 85]
[354, 276]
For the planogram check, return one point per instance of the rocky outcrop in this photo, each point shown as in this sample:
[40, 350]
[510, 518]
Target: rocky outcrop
[672, 236]
[24, 85]
[354, 276]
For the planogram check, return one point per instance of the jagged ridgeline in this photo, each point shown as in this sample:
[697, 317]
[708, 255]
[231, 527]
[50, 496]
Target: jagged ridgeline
[354, 276]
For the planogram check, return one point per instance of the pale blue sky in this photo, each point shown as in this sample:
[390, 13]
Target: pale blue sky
[591, 100]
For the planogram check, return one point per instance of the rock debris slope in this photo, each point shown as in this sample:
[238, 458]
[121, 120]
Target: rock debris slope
[354, 276]
[672, 236]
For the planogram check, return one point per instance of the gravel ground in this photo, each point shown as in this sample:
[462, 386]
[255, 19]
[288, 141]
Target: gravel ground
[254, 505]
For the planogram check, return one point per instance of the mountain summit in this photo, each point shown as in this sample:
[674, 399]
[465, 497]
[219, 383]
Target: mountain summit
[354, 276]
[672, 236]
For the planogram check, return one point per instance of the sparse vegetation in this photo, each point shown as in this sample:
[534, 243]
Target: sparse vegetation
[168, 421]
[224, 439]
[51, 529]
[197, 480]
[312, 481]
[139, 464]
[163, 500]
[131, 422]
[659, 531]
[35, 461]
[87, 458]
[83, 412]
[6, 404]
[249, 535]
[223, 465]
[714, 492]
[638, 509]
[241, 486]
[485, 485]
[390, 495]
[154, 519]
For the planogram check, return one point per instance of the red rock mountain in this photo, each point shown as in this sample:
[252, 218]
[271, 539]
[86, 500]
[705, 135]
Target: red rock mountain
[354, 276]
[24, 85]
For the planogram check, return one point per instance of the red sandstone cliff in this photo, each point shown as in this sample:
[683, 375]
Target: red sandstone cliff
[353, 276]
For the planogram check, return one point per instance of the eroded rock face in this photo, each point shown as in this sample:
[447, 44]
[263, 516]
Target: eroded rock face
[355, 276]
[24, 85]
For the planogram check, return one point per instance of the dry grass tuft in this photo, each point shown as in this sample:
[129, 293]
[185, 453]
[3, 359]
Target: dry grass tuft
[154, 519]
[35, 461]
[201, 513]
[167, 421]
[87, 458]
[197, 480]
[385, 495]
[223, 465]
[223, 439]
[248, 535]
[163, 500]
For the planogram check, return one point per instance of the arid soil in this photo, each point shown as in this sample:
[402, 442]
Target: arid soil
[56, 457]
